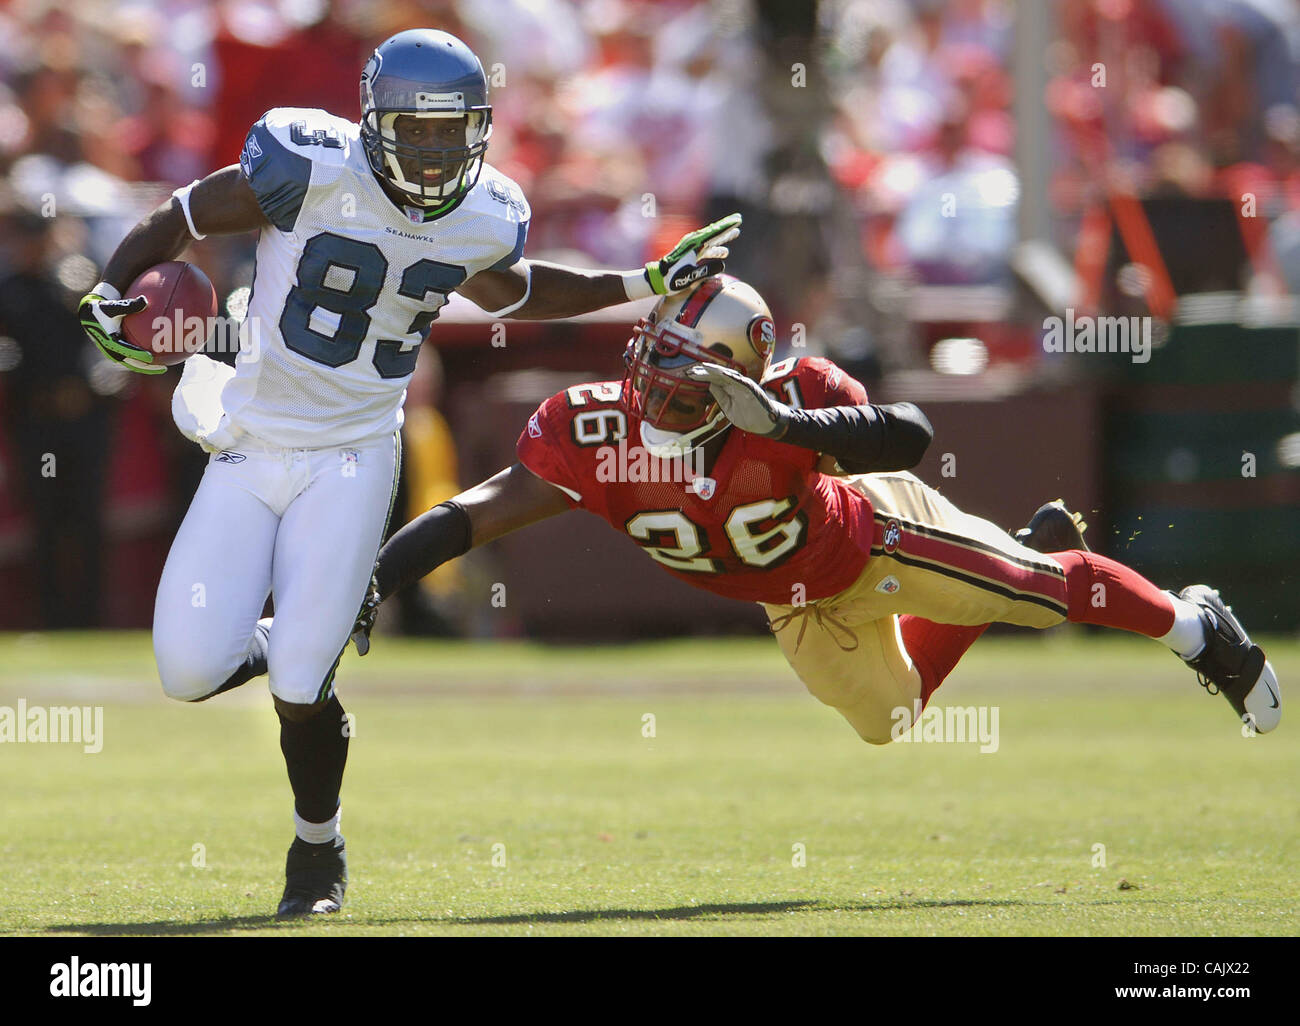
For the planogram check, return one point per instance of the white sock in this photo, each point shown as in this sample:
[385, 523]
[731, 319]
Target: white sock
[317, 833]
[1187, 636]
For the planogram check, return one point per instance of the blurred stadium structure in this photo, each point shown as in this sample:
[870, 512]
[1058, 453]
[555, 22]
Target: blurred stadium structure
[925, 183]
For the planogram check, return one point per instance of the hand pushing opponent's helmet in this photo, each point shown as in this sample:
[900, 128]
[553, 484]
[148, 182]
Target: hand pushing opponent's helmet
[424, 75]
[721, 320]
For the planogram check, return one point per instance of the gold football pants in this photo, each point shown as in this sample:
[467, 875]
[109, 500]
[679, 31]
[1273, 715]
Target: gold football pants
[928, 559]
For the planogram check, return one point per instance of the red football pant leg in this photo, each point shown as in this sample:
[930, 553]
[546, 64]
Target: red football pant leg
[1101, 591]
[935, 648]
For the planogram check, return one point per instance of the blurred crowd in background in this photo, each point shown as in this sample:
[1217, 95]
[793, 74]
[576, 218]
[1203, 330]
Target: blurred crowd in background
[840, 129]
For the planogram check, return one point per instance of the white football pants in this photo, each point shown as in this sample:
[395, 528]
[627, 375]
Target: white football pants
[301, 524]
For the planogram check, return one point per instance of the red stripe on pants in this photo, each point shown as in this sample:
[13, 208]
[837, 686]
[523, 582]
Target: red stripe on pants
[1024, 580]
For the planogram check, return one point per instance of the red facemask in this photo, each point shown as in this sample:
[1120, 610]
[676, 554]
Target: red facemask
[655, 388]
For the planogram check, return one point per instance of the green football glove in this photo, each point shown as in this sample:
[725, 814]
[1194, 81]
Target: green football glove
[101, 313]
[698, 255]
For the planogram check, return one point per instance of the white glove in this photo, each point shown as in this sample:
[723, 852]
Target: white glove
[743, 400]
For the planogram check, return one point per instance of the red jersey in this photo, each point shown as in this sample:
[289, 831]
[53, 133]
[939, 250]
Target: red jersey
[763, 525]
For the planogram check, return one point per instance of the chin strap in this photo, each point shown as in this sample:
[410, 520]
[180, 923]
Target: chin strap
[678, 444]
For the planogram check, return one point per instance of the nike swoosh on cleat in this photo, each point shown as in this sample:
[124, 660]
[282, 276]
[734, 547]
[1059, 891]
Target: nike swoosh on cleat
[1271, 694]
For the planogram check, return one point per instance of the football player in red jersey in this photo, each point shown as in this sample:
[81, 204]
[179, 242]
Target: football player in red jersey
[782, 484]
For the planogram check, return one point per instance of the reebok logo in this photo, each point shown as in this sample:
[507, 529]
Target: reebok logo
[684, 278]
[226, 456]
[250, 153]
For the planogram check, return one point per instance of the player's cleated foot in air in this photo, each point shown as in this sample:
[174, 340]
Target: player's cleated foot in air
[1231, 664]
[1053, 528]
[315, 877]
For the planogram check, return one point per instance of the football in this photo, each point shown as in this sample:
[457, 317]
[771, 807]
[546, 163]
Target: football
[178, 320]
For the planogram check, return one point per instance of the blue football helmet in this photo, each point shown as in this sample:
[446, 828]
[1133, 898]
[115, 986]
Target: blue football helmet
[426, 74]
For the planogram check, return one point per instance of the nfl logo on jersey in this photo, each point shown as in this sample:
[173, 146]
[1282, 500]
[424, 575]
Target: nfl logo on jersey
[704, 487]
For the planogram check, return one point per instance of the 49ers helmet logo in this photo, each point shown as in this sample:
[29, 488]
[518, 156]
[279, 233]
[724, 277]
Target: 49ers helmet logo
[762, 335]
[893, 535]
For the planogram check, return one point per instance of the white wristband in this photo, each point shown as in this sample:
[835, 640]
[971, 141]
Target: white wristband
[637, 285]
[183, 194]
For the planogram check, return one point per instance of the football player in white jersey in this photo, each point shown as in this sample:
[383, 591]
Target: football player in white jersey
[364, 230]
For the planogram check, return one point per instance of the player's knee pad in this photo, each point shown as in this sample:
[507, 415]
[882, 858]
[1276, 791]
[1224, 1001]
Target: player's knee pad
[872, 715]
[874, 725]
[299, 685]
[189, 674]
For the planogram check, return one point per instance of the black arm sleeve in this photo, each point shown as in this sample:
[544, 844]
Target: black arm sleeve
[421, 546]
[864, 439]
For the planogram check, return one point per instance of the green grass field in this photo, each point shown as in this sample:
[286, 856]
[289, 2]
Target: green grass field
[461, 748]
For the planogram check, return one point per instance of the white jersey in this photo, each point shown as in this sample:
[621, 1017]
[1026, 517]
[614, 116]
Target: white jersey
[346, 284]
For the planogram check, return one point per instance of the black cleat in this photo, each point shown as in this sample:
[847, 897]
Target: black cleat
[1053, 528]
[1231, 664]
[315, 877]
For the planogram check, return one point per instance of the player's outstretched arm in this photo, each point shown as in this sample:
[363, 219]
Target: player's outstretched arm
[221, 204]
[864, 439]
[534, 290]
[505, 502]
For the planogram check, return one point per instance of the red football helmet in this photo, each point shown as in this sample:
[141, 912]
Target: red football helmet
[721, 320]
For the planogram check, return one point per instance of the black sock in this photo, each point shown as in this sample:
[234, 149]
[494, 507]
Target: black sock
[315, 752]
[254, 664]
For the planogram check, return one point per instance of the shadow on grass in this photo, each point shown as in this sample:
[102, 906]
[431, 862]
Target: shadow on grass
[166, 928]
[573, 916]
[597, 915]
[696, 911]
